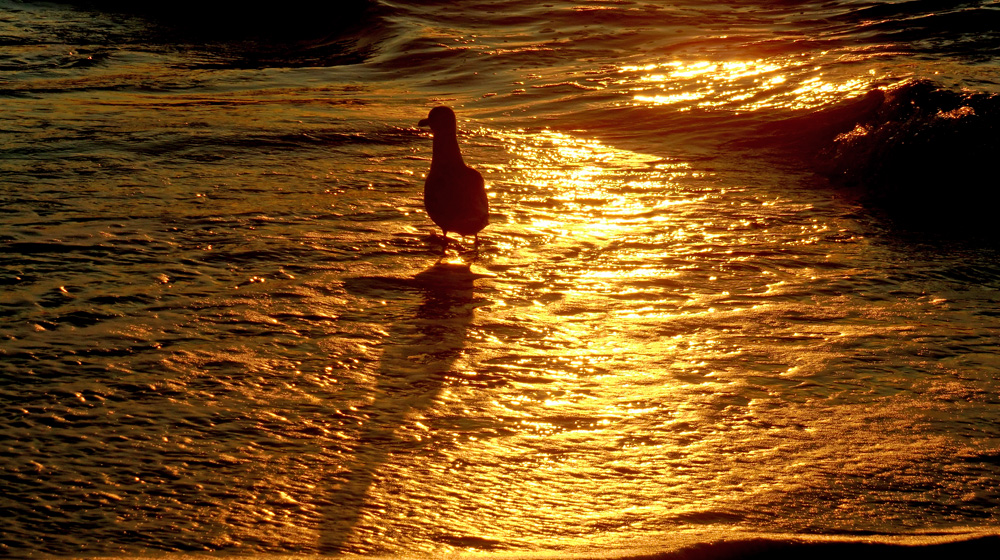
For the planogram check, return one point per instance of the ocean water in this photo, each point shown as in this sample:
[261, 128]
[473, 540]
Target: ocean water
[739, 293]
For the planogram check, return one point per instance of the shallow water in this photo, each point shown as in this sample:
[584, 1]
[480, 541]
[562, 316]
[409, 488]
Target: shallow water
[227, 326]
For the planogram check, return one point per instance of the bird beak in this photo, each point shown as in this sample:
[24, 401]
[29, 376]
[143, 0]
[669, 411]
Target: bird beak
[423, 122]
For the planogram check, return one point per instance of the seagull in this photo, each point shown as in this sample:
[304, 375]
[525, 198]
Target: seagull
[454, 193]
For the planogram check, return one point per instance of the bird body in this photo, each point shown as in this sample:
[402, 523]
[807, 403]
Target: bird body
[454, 193]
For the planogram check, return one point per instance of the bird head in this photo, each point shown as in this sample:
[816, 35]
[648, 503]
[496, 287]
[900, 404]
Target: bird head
[440, 119]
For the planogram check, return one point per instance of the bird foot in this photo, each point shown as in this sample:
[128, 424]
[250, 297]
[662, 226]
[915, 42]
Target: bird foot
[455, 247]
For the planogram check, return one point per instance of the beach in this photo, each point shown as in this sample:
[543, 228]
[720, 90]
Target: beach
[737, 295]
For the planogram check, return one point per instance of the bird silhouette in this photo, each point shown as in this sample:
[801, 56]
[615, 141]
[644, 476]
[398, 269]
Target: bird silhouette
[454, 193]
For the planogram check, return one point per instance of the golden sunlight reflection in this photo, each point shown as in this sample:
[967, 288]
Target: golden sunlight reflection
[587, 187]
[652, 344]
[653, 307]
[789, 82]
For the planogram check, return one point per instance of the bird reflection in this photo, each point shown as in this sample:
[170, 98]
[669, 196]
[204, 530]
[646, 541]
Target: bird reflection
[454, 193]
[435, 331]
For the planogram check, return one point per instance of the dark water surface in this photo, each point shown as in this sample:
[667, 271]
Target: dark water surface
[739, 280]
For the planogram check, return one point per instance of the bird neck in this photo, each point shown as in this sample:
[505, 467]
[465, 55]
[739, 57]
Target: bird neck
[446, 152]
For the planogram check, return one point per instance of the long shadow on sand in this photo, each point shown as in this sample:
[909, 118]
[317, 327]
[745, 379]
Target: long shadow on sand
[420, 350]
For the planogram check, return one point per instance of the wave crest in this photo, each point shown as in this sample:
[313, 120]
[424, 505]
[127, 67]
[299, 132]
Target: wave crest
[922, 148]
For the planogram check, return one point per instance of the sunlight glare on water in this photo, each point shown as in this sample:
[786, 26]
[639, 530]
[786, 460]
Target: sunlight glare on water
[653, 350]
[787, 82]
